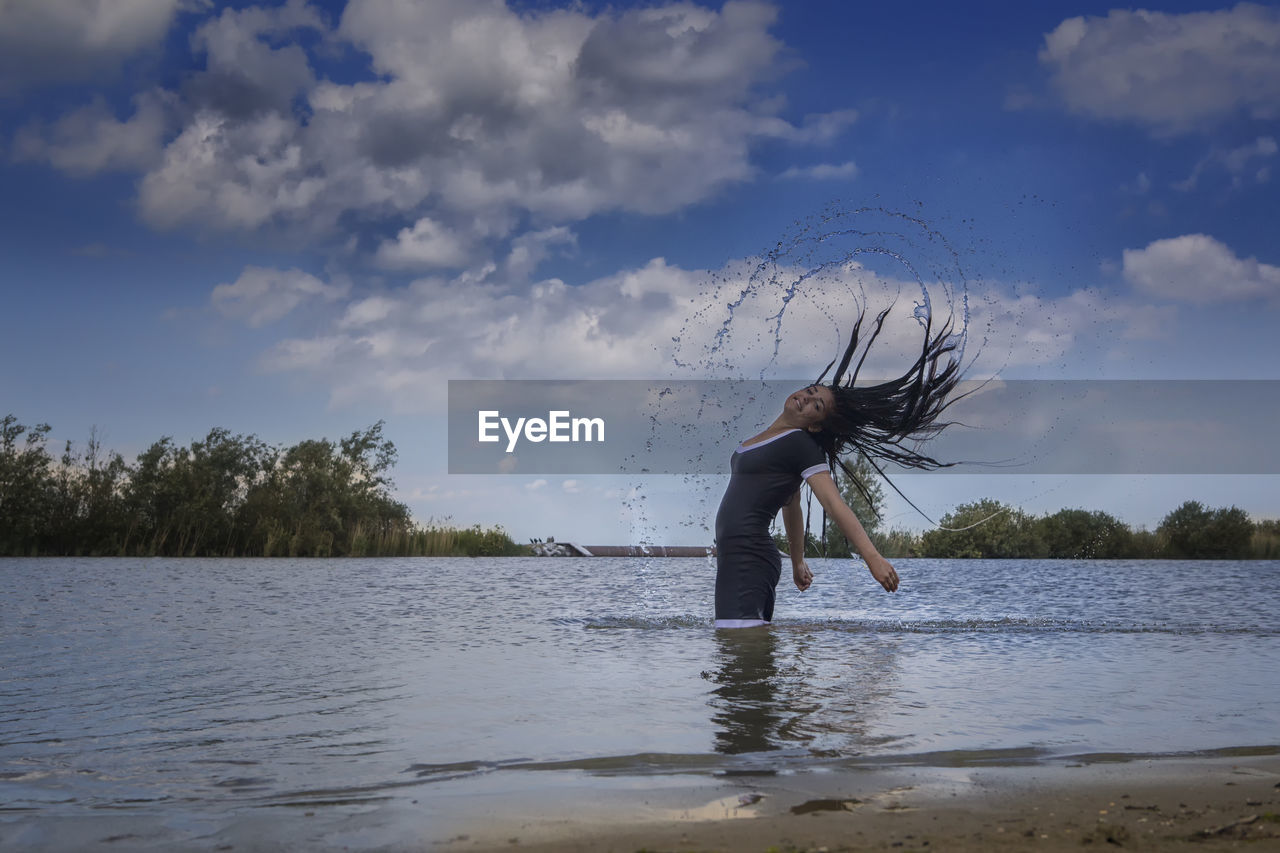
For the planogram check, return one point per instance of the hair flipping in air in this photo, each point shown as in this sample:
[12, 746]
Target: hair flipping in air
[879, 421]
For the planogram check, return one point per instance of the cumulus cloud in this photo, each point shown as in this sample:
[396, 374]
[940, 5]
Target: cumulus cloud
[91, 139]
[1170, 72]
[481, 135]
[232, 175]
[1198, 269]
[532, 248]
[404, 345]
[50, 41]
[262, 295]
[399, 347]
[244, 73]
[424, 245]
[479, 122]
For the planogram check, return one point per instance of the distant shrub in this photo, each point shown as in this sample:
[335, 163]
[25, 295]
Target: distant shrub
[1192, 530]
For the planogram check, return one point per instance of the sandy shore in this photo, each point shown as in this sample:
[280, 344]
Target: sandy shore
[1202, 804]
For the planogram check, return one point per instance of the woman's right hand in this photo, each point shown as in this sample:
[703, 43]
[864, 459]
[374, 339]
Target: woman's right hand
[801, 575]
[882, 570]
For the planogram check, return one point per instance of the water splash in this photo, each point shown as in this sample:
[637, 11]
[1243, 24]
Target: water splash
[834, 267]
[785, 314]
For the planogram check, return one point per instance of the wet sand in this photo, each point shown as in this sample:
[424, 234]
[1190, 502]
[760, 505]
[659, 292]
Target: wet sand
[1169, 804]
[1201, 804]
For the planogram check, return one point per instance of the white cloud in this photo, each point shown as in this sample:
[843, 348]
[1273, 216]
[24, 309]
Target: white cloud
[1238, 160]
[1019, 327]
[225, 174]
[91, 139]
[261, 296]
[368, 311]
[822, 127]
[1197, 268]
[1238, 163]
[530, 249]
[1170, 72]
[482, 121]
[243, 72]
[400, 347]
[823, 172]
[403, 345]
[49, 41]
[425, 245]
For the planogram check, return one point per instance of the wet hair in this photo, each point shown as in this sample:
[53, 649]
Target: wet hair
[885, 422]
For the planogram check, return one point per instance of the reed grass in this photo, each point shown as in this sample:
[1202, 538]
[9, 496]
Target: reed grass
[1265, 544]
[433, 540]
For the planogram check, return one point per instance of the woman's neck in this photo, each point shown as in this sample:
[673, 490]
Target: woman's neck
[774, 429]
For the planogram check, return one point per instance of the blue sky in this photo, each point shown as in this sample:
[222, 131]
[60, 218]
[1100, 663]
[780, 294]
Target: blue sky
[295, 219]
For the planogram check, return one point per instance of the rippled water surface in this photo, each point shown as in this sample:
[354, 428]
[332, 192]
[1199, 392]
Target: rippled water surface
[209, 684]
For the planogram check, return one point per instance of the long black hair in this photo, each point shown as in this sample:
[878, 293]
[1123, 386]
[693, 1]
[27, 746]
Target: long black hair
[886, 422]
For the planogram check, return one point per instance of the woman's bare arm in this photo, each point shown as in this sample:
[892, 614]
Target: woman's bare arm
[793, 523]
[824, 488]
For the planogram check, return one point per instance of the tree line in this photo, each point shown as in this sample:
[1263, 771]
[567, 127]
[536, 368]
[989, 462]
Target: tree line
[1191, 531]
[991, 529]
[235, 495]
[225, 495]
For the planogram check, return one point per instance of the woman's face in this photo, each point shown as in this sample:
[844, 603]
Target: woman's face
[810, 406]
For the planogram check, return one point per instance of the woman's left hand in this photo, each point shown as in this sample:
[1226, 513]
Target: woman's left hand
[882, 570]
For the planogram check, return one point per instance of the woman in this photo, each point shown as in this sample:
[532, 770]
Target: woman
[817, 425]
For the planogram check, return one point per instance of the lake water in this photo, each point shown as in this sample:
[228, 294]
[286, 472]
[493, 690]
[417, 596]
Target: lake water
[196, 688]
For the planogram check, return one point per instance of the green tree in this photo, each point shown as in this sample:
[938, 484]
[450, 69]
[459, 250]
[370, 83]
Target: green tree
[24, 485]
[985, 528]
[320, 497]
[1079, 533]
[896, 543]
[187, 501]
[1192, 530]
[1144, 544]
[220, 496]
[215, 476]
[151, 500]
[86, 512]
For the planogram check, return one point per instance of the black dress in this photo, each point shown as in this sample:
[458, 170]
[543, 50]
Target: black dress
[748, 563]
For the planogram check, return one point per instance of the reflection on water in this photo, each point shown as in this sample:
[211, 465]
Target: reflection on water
[745, 710]
[788, 688]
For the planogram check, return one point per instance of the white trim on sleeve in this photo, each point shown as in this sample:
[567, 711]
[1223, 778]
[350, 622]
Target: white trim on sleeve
[814, 469]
